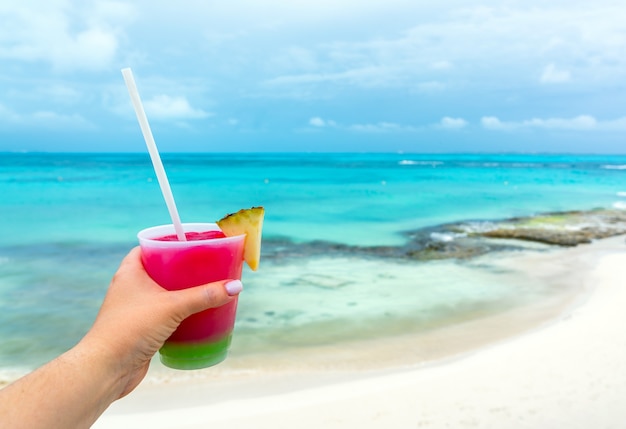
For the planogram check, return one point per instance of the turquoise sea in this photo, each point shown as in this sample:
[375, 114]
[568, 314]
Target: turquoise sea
[66, 220]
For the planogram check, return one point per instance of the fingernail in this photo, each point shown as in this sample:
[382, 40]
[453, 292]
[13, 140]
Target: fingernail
[233, 287]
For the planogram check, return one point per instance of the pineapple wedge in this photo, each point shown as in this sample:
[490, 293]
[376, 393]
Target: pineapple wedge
[249, 222]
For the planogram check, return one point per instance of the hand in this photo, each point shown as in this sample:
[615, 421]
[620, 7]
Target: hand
[137, 316]
[135, 319]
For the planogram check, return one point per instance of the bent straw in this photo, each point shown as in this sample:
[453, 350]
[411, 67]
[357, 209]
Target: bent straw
[154, 153]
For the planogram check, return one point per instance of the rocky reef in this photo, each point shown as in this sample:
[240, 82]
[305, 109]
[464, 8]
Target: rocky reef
[562, 229]
[468, 239]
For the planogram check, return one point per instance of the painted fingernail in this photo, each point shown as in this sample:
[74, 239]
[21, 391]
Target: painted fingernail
[233, 287]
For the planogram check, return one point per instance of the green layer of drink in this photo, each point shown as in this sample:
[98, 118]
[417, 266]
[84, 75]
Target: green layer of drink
[195, 355]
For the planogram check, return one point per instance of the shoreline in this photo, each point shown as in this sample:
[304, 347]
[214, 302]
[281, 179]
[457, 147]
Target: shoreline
[463, 242]
[302, 394]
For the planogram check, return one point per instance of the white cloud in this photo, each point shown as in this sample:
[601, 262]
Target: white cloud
[551, 74]
[582, 122]
[369, 76]
[7, 115]
[166, 107]
[61, 93]
[378, 127]
[373, 60]
[482, 44]
[45, 119]
[54, 120]
[382, 127]
[453, 123]
[578, 123]
[618, 124]
[319, 122]
[51, 95]
[294, 58]
[80, 36]
[94, 48]
[441, 65]
[492, 123]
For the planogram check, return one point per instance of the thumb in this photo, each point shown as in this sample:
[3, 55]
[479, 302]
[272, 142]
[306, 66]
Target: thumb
[210, 295]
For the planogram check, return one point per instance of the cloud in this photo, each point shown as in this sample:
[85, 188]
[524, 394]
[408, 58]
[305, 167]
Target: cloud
[582, 122]
[8, 116]
[368, 76]
[441, 65]
[45, 119]
[551, 74]
[295, 59]
[319, 122]
[482, 44]
[67, 36]
[61, 93]
[578, 123]
[453, 123]
[492, 123]
[378, 127]
[93, 49]
[166, 107]
[374, 68]
[381, 127]
[59, 121]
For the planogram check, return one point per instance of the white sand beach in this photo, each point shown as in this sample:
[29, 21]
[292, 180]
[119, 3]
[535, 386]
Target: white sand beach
[567, 373]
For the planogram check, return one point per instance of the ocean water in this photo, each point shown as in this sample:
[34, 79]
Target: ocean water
[66, 220]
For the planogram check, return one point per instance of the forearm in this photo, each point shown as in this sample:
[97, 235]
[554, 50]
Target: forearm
[71, 391]
[136, 317]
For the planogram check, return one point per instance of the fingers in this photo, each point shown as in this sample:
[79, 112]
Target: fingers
[211, 295]
[131, 275]
[186, 301]
[233, 287]
[131, 263]
[133, 257]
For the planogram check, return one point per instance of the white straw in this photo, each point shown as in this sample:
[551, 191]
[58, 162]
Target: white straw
[154, 153]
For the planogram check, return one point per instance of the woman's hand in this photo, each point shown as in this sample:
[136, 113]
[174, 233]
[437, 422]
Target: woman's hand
[135, 319]
[138, 315]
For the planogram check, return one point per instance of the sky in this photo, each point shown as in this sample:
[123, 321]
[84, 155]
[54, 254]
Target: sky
[315, 76]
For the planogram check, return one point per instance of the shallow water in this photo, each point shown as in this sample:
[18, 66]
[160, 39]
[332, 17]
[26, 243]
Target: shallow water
[345, 299]
[68, 219]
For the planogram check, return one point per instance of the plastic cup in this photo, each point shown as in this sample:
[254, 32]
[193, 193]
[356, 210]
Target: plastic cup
[203, 339]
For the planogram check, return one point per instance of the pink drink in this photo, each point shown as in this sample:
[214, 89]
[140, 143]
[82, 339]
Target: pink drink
[202, 339]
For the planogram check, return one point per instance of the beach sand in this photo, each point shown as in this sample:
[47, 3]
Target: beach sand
[559, 365]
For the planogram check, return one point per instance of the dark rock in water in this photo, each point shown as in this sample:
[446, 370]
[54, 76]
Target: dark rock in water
[558, 238]
[563, 228]
[469, 239]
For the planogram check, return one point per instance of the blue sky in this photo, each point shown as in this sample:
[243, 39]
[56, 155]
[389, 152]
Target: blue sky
[324, 75]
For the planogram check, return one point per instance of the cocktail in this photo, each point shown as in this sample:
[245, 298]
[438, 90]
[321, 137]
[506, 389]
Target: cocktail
[206, 256]
[180, 256]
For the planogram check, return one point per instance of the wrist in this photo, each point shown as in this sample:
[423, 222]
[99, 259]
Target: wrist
[99, 363]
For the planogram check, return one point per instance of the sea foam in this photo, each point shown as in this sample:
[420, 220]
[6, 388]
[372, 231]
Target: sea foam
[620, 205]
[445, 237]
[411, 162]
